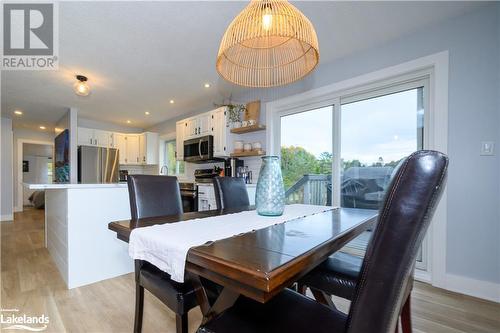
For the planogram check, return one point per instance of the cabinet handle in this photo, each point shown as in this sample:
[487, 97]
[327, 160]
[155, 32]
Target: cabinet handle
[199, 129]
[195, 131]
[91, 141]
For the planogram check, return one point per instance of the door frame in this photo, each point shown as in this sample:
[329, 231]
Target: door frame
[19, 167]
[435, 67]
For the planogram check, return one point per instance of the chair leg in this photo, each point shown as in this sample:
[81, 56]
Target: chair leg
[181, 323]
[139, 307]
[406, 316]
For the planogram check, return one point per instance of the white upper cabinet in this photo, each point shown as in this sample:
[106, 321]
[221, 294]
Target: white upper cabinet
[103, 138]
[93, 137]
[208, 123]
[191, 130]
[220, 131]
[204, 124]
[85, 136]
[180, 127]
[149, 148]
[132, 151]
[121, 144]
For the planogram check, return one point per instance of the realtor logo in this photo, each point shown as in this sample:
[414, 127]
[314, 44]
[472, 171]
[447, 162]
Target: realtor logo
[29, 36]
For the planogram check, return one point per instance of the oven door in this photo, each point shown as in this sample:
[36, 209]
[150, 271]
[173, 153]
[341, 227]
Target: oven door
[189, 201]
[199, 149]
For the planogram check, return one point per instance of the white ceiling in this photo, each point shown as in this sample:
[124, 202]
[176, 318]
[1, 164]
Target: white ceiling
[139, 55]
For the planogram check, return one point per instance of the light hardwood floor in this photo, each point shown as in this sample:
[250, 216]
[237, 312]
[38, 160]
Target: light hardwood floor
[31, 283]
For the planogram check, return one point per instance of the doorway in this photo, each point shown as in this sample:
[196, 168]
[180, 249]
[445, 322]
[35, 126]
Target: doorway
[37, 168]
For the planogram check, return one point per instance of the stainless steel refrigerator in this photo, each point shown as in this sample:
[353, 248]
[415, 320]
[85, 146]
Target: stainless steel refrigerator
[98, 165]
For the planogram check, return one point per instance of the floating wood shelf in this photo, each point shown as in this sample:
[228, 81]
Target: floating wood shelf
[248, 129]
[249, 153]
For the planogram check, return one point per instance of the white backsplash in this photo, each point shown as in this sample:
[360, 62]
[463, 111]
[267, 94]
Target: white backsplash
[140, 169]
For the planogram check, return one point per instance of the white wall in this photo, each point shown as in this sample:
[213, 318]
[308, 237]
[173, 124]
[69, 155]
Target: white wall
[6, 182]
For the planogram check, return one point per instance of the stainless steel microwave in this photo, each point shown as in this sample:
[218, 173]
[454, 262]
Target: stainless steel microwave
[199, 150]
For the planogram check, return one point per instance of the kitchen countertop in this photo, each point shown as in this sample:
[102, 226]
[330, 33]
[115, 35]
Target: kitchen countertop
[73, 186]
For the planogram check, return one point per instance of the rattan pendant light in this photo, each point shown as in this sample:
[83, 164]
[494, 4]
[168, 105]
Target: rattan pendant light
[270, 43]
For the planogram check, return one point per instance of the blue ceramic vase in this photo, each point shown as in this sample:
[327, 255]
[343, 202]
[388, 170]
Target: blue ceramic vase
[270, 194]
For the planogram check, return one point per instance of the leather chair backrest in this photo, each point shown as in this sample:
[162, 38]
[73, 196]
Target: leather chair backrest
[390, 256]
[230, 192]
[152, 196]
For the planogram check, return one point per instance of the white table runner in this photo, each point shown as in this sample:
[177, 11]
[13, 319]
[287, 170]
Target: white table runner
[166, 245]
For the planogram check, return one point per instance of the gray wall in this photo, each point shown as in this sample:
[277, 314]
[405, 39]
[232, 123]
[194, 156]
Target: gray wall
[6, 195]
[473, 42]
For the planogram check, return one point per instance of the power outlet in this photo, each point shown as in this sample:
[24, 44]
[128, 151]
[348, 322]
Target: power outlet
[487, 148]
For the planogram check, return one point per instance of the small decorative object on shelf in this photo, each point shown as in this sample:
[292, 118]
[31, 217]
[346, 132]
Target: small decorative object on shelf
[270, 194]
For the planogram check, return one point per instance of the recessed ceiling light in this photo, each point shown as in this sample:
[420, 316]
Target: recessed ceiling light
[18, 112]
[207, 85]
[147, 113]
[42, 127]
[128, 122]
[171, 101]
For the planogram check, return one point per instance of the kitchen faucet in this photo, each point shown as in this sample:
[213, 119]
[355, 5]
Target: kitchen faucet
[161, 170]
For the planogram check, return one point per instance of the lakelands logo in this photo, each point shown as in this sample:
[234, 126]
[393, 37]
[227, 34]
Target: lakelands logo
[30, 36]
[10, 319]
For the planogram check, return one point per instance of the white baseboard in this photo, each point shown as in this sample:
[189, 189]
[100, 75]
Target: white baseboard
[477, 288]
[422, 276]
[9, 217]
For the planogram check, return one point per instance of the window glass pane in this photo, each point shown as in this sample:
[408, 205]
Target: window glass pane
[376, 134]
[306, 156]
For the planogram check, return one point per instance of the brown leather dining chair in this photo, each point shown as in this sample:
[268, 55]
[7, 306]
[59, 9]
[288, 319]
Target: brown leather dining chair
[153, 196]
[339, 274]
[385, 272]
[230, 192]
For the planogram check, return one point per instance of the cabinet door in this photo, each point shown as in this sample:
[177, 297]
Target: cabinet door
[191, 128]
[142, 148]
[204, 124]
[179, 140]
[133, 149]
[102, 138]
[148, 148]
[121, 145]
[219, 131]
[85, 136]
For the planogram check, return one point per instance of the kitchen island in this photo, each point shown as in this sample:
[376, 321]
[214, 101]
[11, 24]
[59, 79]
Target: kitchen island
[76, 232]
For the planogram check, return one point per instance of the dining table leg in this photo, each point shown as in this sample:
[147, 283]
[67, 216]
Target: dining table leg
[225, 300]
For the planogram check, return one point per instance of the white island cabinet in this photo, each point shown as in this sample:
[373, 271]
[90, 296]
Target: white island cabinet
[76, 230]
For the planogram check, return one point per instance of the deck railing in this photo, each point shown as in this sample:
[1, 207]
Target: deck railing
[312, 189]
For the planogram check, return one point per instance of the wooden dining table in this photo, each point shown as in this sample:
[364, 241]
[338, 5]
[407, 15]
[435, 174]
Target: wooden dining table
[261, 263]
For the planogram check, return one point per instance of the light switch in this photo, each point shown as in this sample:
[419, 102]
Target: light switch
[487, 148]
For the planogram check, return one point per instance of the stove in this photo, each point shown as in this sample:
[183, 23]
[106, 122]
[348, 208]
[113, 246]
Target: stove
[205, 175]
[189, 196]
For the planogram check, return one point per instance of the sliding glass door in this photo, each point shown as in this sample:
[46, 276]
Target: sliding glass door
[344, 154]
